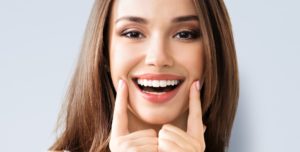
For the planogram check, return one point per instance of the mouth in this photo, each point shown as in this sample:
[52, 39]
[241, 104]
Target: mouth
[158, 88]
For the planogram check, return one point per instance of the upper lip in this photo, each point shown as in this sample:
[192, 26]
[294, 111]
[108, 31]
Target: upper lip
[150, 76]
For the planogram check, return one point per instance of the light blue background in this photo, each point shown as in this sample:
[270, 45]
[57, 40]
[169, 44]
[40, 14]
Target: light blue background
[39, 45]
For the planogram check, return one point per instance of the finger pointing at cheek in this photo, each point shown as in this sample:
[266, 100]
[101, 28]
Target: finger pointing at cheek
[195, 126]
[172, 138]
[121, 139]
[120, 121]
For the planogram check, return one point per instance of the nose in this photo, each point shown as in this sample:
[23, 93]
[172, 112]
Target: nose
[159, 53]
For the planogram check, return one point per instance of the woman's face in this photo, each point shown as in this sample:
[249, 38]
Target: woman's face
[156, 47]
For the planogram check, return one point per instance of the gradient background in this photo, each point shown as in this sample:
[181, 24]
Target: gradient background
[39, 45]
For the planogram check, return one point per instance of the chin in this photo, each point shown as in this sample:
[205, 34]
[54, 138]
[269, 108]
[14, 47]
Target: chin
[156, 120]
[158, 116]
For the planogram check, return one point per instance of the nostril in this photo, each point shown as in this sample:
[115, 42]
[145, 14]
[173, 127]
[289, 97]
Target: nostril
[159, 59]
[159, 63]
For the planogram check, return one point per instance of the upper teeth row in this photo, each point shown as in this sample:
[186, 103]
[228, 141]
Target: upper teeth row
[157, 83]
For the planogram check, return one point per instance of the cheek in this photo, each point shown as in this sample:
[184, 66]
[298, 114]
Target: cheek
[195, 65]
[192, 59]
[122, 60]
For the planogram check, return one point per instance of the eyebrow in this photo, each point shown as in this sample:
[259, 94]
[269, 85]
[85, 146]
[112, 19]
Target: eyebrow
[185, 18]
[133, 19]
[144, 21]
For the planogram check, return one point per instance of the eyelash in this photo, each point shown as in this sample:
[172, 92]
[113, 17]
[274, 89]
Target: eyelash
[188, 34]
[127, 34]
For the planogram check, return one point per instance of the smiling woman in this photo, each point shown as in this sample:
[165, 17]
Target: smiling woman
[153, 76]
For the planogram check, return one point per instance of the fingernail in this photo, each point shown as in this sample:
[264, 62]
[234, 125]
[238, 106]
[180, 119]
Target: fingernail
[120, 84]
[198, 85]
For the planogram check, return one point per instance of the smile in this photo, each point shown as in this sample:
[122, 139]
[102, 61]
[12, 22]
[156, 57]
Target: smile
[158, 88]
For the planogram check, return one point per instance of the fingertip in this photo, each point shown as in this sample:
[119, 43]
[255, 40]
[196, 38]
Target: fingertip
[163, 129]
[198, 85]
[122, 90]
[120, 84]
[166, 126]
[195, 89]
[161, 132]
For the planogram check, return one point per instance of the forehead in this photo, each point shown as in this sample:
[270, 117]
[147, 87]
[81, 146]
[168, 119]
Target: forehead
[153, 9]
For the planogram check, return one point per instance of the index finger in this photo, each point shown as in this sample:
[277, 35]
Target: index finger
[120, 120]
[195, 123]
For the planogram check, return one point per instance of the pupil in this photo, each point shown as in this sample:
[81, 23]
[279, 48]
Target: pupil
[134, 34]
[184, 35]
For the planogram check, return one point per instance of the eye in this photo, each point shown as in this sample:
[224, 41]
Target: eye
[132, 34]
[188, 35]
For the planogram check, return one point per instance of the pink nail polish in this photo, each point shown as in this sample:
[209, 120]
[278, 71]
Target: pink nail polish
[120, 83]
[198, 85]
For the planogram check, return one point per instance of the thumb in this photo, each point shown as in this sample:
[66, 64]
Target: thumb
[195, 123]
[120, 120]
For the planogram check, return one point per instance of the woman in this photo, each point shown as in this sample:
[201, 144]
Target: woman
[153, 76]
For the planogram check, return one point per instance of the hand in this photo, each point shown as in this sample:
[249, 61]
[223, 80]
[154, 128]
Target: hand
[121, 140]
[174, 139]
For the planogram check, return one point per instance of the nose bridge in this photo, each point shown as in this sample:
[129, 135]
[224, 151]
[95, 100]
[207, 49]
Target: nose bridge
[158, 52]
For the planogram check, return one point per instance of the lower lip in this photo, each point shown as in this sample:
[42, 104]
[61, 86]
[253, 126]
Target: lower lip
[159, 98]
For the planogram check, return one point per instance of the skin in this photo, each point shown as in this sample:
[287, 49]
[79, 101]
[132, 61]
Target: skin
[157, 45]
[169, 138]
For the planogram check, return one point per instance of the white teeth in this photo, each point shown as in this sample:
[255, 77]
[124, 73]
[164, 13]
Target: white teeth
[145, 82]
[157, 83]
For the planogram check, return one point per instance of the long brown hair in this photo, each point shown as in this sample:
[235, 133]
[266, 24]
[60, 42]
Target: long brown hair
[87, 114]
